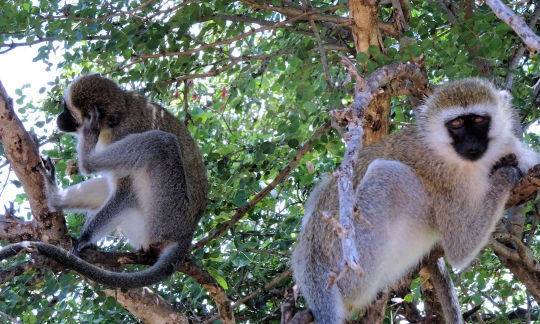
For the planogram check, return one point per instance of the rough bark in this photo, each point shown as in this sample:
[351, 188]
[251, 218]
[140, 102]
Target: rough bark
[364, 22]
[432, 306]
[529, 277]
[147, 306]
[22, 153]
[377, 119]
[375, 312]
[531, 40]
[203, 278]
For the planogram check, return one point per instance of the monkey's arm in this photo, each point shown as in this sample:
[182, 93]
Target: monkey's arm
[132, 152]
[465, 234]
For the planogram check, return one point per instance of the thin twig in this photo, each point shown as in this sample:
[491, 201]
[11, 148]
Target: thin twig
[242, 211]
[234, 61]
[327, 77]
[130, 12]
[284, 275]
[5, 183]
[218, 43]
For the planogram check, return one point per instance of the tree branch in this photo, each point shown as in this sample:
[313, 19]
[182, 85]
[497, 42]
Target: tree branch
[295, 11]
[143, 58]
[102, 18]
[13, 45]
[21, 149]
[324, 62]
[284, 275]
[241, 212]
[352, 116]
[517, 23]
[526, 189]
[234, 61]
[203, 278]
[147, 306]
[509, 80]
[13, 229]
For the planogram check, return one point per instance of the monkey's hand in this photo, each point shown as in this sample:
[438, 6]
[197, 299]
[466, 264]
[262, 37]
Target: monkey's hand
[91, 129]
[90, 132]
[506, 171]
[53, 193]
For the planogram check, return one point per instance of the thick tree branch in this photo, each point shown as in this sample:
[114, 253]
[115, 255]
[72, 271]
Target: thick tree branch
[522, 264]
[509, 80]
[23, 155]
[13, 229]
[147, 306]
[365, 91]
[526, 189]
[517, 23]
[203, 278]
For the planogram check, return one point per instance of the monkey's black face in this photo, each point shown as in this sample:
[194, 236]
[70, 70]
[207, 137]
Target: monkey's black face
[470, 135]
[66, 122]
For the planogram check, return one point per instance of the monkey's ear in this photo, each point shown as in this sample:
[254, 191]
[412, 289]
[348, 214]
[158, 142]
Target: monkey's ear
[114, 119]
[420, 110]
[506, 95]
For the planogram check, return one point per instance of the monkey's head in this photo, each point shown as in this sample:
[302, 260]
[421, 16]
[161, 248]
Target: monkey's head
[89, 92]
[467, 120]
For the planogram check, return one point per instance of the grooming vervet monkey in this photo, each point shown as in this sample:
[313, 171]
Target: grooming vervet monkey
[444, 181]
[153, 186]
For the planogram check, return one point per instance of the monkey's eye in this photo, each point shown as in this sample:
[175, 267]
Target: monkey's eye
[479, 119]
[456, 123]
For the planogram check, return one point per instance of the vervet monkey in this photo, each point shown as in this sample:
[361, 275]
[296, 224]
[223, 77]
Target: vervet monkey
[444, 181]
[153, 186]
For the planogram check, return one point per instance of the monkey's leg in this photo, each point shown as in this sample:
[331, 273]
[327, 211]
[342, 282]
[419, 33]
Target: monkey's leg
[325, 304]
[393, 199]
[463, 237]
[135, 151]
[87, 195]
[107, 218]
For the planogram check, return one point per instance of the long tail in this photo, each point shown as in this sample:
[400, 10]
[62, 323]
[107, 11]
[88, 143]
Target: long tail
[165, 266]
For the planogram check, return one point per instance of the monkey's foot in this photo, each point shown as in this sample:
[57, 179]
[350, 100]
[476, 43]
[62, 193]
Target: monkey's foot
[78, 245]
[509, 160]
[48, 170]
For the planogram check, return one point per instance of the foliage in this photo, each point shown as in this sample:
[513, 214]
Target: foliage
[264, 95]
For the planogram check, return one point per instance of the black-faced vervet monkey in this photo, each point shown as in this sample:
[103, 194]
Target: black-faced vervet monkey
[444, 181]
[153, 186]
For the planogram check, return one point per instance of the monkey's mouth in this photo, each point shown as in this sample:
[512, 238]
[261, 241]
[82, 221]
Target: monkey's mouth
[472, 154]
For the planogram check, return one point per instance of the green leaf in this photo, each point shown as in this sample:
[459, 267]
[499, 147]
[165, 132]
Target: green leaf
[240, 198]
[222, 282]
[408, 298]
[361, 57]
